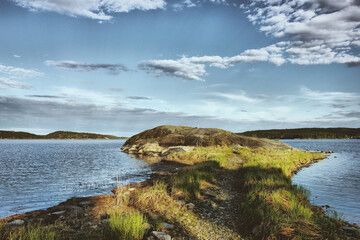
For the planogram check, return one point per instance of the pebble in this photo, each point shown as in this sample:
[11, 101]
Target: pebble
[17, 222]
[167, 225]
[161, 235]
[58, 213]
[180, 202]
[85, 203]
[190, 206]
[105, 220]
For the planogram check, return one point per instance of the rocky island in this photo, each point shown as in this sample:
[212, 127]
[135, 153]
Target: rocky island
[225, 186]
[167, 139]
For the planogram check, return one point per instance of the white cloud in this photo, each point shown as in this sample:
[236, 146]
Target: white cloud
[16, 56]
[95, 9]
[193, 68]
[320, 32]
[18, 73]
[323, 31]
[181, 68]
[13, 84]
[240, 97]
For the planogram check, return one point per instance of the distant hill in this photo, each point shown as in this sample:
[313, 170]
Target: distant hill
[55, 135]
[306, 133]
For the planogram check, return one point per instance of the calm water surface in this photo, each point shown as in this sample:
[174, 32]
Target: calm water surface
[334, 181]
[37, 174]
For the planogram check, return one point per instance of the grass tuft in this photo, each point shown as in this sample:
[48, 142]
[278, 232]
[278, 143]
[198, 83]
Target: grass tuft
[127, 226]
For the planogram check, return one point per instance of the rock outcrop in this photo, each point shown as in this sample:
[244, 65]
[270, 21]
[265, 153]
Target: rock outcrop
[163, 140]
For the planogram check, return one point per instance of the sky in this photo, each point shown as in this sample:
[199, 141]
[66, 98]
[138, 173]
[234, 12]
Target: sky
[123, 66]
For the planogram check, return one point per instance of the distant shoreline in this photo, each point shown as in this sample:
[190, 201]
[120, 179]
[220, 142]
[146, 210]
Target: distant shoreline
[56, 135]
[306, 133]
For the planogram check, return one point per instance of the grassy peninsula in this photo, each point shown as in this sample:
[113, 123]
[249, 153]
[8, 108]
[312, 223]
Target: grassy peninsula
[55, 135]
[306, 133]
[228, 191]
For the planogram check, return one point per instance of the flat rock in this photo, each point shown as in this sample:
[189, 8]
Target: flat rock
[85, 203]
[58, 213]
[161, 235]
[17, 222]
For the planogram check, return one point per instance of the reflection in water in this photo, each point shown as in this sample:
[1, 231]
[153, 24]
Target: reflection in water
[336, 180]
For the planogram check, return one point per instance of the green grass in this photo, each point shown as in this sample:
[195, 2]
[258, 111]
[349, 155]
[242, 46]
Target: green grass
[189, 180]
[273, 208]
[29, 232]
[127, 226]
[272, 205]
[154, 198]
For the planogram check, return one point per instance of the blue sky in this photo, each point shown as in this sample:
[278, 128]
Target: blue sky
[120, 66]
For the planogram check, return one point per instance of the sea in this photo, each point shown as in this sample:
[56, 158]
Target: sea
[37, 174]
[335, 181]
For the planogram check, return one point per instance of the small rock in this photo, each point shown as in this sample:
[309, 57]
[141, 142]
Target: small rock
[17, 222]
[190, 206]
[161, 235]
[180, 202]
[147, 225]
[150, 238]
[167, 225]
[85, 203]
[105, 221]
[75, 208]
[58, 213]
[214, 205]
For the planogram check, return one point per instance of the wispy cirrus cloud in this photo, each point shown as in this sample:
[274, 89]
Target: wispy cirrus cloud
[240, 97]
[18, 73]
[94, 9]
[115, 89]
[138, 98]
[7, 83]
[329, 97]
[43, 96]
[113, 69]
